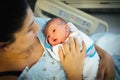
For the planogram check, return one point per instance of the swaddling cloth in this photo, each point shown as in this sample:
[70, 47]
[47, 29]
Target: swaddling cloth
[53, 50]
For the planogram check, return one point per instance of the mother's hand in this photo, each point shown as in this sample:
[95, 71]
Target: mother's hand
[72, 58]
[106, 66]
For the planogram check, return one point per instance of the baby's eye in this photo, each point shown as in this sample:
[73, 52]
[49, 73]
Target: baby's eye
[54, 30]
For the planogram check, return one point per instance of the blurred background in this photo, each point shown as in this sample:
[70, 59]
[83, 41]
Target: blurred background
[107, 10]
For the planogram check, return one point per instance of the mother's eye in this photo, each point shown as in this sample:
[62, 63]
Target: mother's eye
[29, 30]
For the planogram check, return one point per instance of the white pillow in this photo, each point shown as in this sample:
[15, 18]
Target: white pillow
[109, 42]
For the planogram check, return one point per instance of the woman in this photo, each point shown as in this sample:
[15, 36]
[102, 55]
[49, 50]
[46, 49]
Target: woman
[22, 48]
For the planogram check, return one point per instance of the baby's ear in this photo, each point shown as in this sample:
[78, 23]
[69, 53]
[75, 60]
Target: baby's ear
[66, 27]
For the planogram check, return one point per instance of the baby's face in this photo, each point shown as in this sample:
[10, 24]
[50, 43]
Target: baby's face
[56, 33]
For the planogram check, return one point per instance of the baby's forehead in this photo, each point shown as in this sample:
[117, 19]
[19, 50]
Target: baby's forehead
[55, 23]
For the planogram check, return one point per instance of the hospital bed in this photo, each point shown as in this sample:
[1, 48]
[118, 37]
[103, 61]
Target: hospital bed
[85, 22]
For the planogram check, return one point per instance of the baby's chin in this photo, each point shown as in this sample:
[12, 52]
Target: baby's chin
[56, 43]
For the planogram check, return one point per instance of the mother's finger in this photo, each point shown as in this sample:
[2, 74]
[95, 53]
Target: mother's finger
[83, 47]
[61, 54]
[72, 44]
[77, 45]
[66, 48]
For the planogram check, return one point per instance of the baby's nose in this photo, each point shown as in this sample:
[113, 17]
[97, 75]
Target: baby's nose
[51, 36]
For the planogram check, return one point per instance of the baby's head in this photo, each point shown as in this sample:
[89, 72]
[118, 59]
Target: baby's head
[56, 31]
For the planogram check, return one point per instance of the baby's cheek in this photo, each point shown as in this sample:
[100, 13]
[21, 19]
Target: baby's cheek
[49, 41]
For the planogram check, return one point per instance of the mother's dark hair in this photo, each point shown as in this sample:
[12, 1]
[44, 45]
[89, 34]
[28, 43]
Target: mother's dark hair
[12, 15]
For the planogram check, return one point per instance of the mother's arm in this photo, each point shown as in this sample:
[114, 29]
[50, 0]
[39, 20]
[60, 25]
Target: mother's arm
[106, 66]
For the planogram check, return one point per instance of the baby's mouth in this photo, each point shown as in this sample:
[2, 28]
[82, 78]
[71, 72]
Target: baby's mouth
[55, 40]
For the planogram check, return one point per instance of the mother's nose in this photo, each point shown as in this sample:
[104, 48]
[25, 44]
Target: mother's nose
[36, 27]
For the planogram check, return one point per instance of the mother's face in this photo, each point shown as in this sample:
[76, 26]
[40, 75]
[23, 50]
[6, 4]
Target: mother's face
[26, 37]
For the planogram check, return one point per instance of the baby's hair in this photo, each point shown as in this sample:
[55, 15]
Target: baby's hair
[54, 19]
[61, 22]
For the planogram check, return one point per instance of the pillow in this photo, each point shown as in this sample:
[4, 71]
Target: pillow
[108, 41]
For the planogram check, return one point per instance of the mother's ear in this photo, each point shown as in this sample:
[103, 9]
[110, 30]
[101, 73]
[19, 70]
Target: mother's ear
[8, 47]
